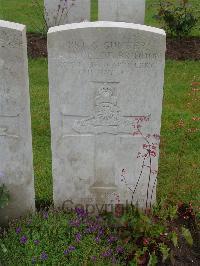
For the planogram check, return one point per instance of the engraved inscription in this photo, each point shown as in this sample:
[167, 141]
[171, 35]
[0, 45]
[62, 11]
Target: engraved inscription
[128, 48]
[94, 58]
[100, 66]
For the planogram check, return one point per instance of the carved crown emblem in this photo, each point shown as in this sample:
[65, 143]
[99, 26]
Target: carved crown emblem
[107, 110]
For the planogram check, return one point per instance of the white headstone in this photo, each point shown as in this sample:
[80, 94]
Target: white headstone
[106, 89]
[16, 163]
[132, 11]
[60, 12]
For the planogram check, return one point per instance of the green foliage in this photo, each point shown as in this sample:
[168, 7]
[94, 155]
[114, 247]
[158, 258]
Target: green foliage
[169, 212]
[50, 238]
[178, 18]
[174, 238]
[59, 238]
[153, 260]
[164, 250]
[145, 233]
[4, 196]
[3, 248]
[187, 235]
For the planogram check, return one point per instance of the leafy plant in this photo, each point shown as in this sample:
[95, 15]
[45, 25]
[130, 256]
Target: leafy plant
[153, 260]
[187, 235]
[75, 238]
[4, 196]
[165, 251]
[174, 238]
[178, 17]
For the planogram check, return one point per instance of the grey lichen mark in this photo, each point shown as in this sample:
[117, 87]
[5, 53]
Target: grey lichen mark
[10, 40]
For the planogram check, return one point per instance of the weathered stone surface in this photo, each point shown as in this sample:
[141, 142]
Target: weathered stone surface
[106, 89]
[16, 167]
[60, 12]
[132, 11]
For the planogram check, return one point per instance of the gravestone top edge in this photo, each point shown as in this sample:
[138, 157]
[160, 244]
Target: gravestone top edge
[12, 25]
[105, 24]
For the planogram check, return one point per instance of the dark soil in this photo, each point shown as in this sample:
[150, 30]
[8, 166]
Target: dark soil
[37, 45]
[181, 255]
[185, 255]
[184, 49]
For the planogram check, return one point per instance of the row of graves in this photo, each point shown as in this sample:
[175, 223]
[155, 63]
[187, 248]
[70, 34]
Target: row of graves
[106, 90]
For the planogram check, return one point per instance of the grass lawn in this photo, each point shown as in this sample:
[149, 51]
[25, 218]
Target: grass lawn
[28, 13]
[41, 129]
[183, 186]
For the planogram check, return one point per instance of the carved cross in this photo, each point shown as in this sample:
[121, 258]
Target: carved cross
[106, 123]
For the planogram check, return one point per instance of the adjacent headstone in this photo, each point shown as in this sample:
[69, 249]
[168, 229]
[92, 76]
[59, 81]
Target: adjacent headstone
[132, 11]
[60, 12]
[16, 163]
[106, 89]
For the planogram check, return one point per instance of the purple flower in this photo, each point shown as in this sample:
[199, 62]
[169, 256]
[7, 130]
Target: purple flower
[71, 248]
[99, 218]
[89, 230]
[23, 240]
[119, 249]
[112, 239]
[44, 256]
[93, 227]
[101, 232]
[66, 252]
[80, 212]
[18, 230]
[107, 253]
[93, 258]
[36, 242]
[97, 239]
[78, 237]
[45, 215]
[75, 223]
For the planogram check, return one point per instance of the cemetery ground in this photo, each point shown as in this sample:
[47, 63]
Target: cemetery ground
[178, 180]
[53, 237]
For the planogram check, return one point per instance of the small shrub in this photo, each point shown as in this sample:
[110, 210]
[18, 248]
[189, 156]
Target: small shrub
[178, 18]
